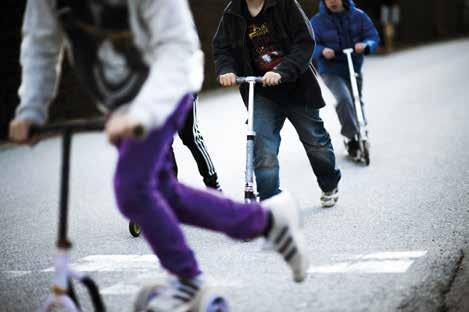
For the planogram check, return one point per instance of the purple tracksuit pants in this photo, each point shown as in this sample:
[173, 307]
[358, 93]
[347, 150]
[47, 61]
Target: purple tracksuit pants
[148, 193]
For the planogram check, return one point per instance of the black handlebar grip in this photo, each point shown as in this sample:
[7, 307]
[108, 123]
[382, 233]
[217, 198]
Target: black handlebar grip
[139, 131]
[34, 130]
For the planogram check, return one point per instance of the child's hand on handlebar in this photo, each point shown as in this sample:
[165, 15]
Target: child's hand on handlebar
[271, 79]
[121, 126]
[328, 53]
[19, 131]
[360, 48]
[227, 80]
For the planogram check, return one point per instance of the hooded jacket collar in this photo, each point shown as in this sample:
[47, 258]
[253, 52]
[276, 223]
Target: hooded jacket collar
[234, 7]
[349, 5]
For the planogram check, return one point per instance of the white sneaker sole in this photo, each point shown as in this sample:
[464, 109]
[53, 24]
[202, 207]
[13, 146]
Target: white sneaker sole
[330, 202]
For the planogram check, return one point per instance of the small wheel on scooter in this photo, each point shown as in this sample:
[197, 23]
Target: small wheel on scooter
[134, 229]
[366, 153]
[214, 303]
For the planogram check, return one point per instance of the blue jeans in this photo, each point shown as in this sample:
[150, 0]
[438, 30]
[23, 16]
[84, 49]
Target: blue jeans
[345, 107]
[269, 118]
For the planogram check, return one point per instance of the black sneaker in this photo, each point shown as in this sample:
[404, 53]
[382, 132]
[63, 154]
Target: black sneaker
[212, 182]
[352, 147]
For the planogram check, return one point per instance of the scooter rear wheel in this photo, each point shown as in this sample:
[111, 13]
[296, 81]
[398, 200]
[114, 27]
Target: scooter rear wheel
[366, 153]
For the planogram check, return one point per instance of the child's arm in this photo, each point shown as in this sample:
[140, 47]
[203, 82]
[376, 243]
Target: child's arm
[40, 58]
[224, 62]
[296, 62]
[176, 61]
[319, 48]
[370, 35]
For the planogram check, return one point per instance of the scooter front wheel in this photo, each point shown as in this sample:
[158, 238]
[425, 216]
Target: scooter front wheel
[134, 229]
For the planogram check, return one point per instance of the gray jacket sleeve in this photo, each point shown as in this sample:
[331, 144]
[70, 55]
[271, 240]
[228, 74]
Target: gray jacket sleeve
[171, 47]
[165, 33]
[40, 58]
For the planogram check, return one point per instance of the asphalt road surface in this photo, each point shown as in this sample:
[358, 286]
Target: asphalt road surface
[393, 243]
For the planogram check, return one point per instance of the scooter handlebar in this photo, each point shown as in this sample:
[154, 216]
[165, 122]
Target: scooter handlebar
[344, 52]
[241, 80]
[72, 126]
[93, 125]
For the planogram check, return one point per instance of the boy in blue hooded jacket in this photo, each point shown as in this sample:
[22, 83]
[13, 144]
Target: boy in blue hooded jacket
[341, 25]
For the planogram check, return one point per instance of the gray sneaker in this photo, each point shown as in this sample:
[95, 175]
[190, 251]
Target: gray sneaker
[285, 235]
[329, 199]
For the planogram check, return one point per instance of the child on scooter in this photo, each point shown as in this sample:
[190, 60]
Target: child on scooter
[140, 60]
[273, 39]
[341, 25]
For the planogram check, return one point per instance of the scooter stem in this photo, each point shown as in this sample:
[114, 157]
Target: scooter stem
[249, 192]
[356, 94]
[353, 75]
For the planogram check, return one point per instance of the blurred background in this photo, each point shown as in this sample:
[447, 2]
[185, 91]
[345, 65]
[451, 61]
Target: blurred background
[402, 24]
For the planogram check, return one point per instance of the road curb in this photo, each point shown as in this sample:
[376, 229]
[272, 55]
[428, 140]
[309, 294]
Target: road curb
[457, 299]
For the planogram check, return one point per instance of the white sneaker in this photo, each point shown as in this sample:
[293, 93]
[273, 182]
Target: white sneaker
[329, 199]
[285, 235]
[176, 296]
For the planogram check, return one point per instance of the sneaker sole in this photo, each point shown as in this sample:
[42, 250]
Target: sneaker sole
[329, 203]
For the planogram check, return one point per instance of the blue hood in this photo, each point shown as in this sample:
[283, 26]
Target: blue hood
[348, 4]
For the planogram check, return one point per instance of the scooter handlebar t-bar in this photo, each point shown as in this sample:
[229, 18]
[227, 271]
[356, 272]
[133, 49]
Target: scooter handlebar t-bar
[241, 80]
[72, 126]
[345, 51]
[342, 52]
[75, 126]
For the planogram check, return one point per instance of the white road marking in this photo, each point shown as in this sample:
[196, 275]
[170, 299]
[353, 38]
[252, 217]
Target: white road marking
[120, 289]
[114, 263]
[370, 267]
[146, 268]
[394, 255]
[382, 262]
[130, 288]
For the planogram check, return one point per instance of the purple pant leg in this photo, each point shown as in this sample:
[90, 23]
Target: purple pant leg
[140, 200]
[210, 210]
[159, 204]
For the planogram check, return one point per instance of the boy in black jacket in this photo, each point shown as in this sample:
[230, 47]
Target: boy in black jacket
[273, 39]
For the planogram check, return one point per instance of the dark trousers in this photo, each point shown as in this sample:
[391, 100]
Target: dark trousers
[345, 107]
[269, 118]
[193, 139]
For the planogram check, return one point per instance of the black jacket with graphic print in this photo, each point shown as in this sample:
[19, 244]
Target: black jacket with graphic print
[293, 30]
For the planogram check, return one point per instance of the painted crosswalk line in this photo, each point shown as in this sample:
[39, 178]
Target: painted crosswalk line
[131, 286]
[373, 263]
[147, 267]
[114, 263]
